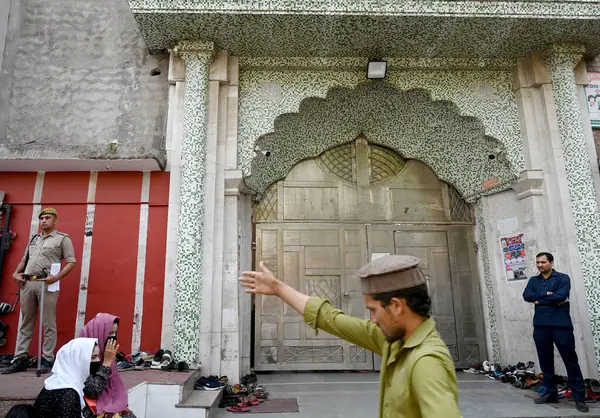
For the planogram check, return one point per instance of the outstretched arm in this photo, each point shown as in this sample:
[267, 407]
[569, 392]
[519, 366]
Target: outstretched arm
[316, 311]
[263, 282]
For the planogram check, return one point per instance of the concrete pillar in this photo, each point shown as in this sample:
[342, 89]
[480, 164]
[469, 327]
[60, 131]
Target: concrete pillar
[174, 138]
[530, 74]
[561, 62]
[189, 265]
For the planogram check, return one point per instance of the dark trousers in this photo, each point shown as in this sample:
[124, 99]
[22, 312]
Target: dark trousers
[545, 338]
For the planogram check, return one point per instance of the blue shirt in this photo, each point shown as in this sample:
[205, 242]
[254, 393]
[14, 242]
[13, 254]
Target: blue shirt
[548, 312]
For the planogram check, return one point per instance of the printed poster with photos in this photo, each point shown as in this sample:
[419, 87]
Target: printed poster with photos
[514, 257]
[592, 94]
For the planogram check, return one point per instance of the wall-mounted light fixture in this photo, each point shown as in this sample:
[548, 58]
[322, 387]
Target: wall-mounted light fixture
[377, 70]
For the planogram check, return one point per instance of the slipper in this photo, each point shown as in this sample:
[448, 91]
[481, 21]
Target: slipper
[237, 409]
[157, 359]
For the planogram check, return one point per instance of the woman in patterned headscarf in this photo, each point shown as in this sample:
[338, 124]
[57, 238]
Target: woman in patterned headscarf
[106, 386]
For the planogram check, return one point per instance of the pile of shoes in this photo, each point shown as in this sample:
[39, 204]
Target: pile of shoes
[140, 361]
[521, 375]
[242, 396]
[592, 390]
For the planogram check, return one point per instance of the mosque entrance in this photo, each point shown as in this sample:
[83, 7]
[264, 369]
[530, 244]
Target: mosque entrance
[333, 214]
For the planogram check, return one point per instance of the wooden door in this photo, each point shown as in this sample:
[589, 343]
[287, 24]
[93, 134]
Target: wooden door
[319, 260]
[449, 273]
[321, 223]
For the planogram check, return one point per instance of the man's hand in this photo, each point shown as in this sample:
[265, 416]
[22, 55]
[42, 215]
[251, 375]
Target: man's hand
[261, 282]
[536, 302]
[19, 279]
[50, 279]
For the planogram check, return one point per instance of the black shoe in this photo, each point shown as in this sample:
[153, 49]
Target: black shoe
[46, 366]
[581, 406]
[550, 398]
[18, 365]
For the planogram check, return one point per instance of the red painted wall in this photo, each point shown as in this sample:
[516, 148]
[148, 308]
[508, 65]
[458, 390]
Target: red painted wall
[114, 254]
[155, 265]
[19, 188]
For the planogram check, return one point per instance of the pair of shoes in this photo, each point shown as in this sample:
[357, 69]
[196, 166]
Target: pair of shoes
[16, 366]
[553, 398]
[207, 383]
[125, 366]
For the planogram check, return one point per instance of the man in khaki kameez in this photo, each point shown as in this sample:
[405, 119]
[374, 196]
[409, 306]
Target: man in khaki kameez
[43, 250]
[417, 372]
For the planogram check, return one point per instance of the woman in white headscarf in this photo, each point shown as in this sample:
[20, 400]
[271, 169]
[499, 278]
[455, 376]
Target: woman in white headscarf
[62, 395]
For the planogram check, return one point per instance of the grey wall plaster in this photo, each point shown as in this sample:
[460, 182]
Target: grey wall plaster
[80, 78]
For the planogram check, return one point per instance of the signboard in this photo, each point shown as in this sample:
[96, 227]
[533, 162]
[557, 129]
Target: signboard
[514, 257]
[592, 95]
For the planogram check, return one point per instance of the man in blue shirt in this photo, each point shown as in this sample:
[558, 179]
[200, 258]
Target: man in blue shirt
[552, 325]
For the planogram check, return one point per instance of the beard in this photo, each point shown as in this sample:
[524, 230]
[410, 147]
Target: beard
[397, 336]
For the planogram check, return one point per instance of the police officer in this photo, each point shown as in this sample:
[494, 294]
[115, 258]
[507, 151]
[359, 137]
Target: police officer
[417, 378]
[549, 292]
[44, 249]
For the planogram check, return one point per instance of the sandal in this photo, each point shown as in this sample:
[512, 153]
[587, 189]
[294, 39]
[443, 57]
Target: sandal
[246, 401]
[237, 409]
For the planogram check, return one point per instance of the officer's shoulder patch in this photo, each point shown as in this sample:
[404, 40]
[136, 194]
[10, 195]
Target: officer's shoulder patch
[63, 234]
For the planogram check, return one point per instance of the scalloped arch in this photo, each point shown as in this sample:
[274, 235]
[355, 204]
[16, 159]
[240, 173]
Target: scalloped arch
[409, 122]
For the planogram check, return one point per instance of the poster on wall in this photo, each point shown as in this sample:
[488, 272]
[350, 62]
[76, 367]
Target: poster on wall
[592, 94]
[514, 257]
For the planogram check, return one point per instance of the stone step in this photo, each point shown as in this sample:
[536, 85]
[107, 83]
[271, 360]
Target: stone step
[205, 399]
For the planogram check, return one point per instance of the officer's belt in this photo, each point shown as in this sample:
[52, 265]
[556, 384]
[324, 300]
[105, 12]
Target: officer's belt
[34, 278]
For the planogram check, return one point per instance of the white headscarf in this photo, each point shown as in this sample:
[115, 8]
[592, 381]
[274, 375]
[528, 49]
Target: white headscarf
[72, 366]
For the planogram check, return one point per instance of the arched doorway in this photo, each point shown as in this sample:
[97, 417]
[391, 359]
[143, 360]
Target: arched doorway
[334, 213]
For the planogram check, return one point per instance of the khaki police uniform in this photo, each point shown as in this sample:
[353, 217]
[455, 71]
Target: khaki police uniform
[417, 379]
[43, 251]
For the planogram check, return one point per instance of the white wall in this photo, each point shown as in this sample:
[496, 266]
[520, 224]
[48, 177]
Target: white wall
[504, 216]
[514, 316]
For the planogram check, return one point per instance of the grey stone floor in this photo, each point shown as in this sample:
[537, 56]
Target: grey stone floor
[355, 395]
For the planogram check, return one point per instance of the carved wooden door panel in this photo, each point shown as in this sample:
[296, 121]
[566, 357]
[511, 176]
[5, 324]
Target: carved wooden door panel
[449, 273]
[317, 259]
[325, 219]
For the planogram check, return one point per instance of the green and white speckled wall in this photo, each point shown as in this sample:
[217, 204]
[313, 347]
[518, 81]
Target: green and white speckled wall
[484, 105]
